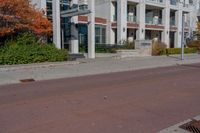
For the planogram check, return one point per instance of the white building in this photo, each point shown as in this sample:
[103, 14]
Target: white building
[147, 19]
[116, 21]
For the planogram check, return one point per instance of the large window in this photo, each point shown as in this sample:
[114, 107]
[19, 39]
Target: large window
[83, 34]
[100, 34]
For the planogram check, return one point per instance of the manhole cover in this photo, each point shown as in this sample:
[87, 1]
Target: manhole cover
[27, 80]
[193, 126]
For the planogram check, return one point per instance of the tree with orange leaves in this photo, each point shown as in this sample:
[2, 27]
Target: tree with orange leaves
[20, 15]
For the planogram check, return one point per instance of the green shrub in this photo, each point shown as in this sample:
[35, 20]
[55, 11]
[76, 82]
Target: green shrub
[26, 39]
[158, 48]
[28, 51]
[109, 48]
[171, 51]
[82, 48]
[24, 54]
[102, 48]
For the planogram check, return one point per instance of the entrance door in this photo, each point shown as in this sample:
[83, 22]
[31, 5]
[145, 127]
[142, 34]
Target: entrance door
[171, 39]
[83, 35]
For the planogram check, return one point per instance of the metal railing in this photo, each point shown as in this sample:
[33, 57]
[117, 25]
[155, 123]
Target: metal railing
[172, 22]
[153, 21]
[131, 18]
[114, 17]
[157, 1]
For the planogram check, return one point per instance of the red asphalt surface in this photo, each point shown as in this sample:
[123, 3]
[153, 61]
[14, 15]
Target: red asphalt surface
[143, 101]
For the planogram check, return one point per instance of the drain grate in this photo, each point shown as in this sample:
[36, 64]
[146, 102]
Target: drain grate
[193, 126]
[27, 80]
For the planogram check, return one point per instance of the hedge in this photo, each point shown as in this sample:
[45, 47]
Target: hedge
[170, 51]
[25, 54]
[25, 49]
[110, 48]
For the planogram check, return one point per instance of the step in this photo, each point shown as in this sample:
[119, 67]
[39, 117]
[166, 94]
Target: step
[127, 53]
[76, 56]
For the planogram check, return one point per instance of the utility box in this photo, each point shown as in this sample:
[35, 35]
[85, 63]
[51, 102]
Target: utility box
[144, 47]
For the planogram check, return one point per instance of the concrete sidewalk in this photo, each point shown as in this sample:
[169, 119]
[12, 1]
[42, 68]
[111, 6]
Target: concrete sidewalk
[45, 71]
[176, 128]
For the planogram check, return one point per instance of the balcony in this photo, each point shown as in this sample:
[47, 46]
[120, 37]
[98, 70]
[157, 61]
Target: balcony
[187, 24]
[83, 4]
[114, 17]
[131, 18]
[131, 12]
[81, 8]
[153, 20]
[172, 22]
[172, 19]
[157, 1]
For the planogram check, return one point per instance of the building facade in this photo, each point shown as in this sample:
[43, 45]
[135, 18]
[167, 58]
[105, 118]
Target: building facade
[147, 19]
[116, 21]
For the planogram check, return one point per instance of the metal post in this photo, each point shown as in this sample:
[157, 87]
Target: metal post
[91, 30]
[183, 38]
[63, 41]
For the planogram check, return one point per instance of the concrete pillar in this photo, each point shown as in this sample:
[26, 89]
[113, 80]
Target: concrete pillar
[110, 39]
[74, 44]
[178, 34]
[141, 8]
[110, 35]
[56, 23]
[166, 23]
[121, 21]
[91, 29]
[191, 19]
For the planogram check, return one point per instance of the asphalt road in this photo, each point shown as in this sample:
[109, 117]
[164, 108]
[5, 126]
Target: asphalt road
[143, 101]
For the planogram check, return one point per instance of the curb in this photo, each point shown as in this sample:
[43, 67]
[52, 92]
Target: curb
[36, 65]
[176, 128]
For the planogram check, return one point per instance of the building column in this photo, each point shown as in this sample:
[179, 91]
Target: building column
[178, 34]
[121, 21]
[74, 44]
[110, 35]
[56, 23]
[91, 29]
[166, 23]
[141, 8]
[191, 19]
[110, 39]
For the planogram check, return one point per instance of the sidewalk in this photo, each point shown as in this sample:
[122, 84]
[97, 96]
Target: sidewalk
[176, 128]
[45, 71]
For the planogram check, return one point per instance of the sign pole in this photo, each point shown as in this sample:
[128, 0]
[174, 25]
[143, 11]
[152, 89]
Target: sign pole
[183, 38]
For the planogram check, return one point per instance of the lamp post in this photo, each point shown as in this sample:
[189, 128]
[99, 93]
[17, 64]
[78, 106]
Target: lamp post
[91, 29]
[183, 32]
[183, 38]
